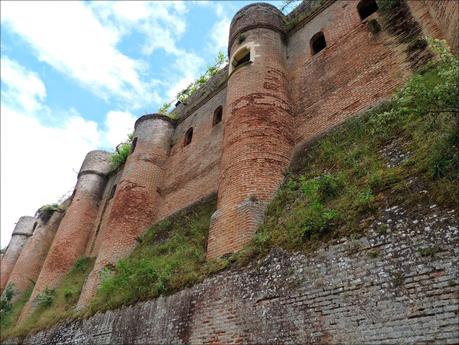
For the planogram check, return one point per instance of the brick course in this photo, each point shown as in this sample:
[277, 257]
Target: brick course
[136, 198]
[71, 239]
[21, 234]
[33, 255]
[338, 294]
[283, 98]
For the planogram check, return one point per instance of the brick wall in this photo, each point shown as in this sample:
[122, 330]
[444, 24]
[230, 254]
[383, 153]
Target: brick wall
[22, 231]
[74, 231]
[382, 288]
[33, 255]
[257, 138]
[446, 15]
[100, 225]
[192, 170]
[136, 199]
[355, 71]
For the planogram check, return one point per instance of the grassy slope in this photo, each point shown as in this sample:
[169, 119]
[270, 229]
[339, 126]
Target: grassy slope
[171, 255]
[329, 191]
[54, 305]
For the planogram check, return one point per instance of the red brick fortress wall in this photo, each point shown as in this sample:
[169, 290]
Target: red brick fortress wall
[137, 196]
[356, 70]
[192, 170]
[446, 14]
[74, 231]
[257, 138]
[22, 231]
[33, 255]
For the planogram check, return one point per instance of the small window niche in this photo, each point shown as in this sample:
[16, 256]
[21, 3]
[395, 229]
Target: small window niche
[241, 57]
[188, 137]
[366, 8]
[318, 43]
[134, 144]
[218, 115]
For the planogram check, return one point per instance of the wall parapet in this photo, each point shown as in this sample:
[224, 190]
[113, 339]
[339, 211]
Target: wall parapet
[154, 116]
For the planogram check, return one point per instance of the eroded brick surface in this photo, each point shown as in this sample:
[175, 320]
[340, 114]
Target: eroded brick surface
[136, 198]
[343, 293]
[74, 231]
[33, 255]
[283, 98]
[23, 230]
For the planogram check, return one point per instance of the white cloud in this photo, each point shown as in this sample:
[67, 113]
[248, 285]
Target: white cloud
[219, 35]
[40, 162]
[21, 86]
[162, 23]
[118, 125]
[188, 67]
[68, 36]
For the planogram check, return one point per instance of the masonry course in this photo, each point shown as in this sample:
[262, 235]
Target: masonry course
[338, 294]
[283, 96]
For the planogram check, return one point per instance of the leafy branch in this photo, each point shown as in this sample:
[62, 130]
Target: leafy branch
[183, 95]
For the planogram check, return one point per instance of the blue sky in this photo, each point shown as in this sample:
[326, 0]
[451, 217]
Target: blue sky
[76, 75]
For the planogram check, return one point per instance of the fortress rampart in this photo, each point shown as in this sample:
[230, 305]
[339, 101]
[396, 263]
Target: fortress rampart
[289, 80]
[23, 230]
[71, 239]
[33, 255]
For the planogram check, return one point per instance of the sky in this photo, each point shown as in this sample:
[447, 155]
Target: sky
[76, 75]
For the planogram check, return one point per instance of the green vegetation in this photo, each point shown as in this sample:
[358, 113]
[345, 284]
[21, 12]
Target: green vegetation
[53, 305]
[344, 177]
[9, 313]
[5, 301]
[183, 95]
[170, 256]
[330, 191]
[123, 150]
[46, 211]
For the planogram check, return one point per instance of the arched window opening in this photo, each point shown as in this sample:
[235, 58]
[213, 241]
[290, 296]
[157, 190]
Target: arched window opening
[112, 192]
[366, 8]
[241, 57]
[218, 114]
[318, 42]
[188, 136]
[134, 144]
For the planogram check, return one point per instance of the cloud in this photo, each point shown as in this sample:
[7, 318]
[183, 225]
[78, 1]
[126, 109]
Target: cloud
[23, 87]
[188, 67]
[118, 125]
[40, 161]
[69, 37]
[220, 30]
[219, 35]
[161, 23]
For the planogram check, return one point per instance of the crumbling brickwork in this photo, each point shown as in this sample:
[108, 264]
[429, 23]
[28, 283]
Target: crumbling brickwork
[22, 231]
[290, 79]
[136, 198]
[257, 140]
[339, 294]
[33, 255]
[445, 14]
[74, 230]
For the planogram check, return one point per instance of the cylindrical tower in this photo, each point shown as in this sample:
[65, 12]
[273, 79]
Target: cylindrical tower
[136, 197]
[33, 255]
[72, 236]
[257, 139]
[22, 231]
